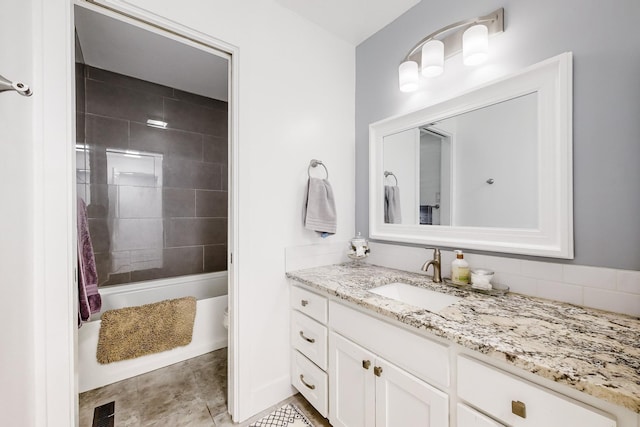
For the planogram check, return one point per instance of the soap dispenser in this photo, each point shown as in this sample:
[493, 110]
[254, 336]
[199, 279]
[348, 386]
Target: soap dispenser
[460, 268]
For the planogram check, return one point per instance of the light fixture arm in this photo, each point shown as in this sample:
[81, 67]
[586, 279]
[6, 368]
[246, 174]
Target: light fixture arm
[453, 42]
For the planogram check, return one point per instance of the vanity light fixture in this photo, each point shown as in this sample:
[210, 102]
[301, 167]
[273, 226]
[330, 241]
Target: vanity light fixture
[470, 36]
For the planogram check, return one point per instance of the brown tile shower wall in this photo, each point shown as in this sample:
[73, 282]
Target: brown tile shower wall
[113, 115]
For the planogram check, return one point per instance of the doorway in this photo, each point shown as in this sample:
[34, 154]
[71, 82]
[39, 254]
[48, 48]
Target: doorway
[154, 155]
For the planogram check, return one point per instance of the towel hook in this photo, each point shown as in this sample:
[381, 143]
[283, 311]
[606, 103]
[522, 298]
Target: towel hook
[21, 88]
[387, 174]
[314, 163]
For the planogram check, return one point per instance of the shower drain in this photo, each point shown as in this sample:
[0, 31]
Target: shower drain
[104, 415]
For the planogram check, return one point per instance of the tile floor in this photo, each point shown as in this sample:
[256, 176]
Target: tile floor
[189, 393]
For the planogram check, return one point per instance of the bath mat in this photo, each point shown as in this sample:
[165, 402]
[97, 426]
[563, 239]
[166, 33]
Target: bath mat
[131, 332]
[287, 416]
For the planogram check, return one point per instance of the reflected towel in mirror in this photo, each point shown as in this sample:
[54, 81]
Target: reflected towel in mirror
[392, 214]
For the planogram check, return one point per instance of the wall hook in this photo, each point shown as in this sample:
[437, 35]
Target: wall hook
[21, 88]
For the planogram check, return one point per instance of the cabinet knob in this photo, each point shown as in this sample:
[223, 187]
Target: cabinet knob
[366, 364]
[377, 370]
[304, 302]
[310, 386]
[311, 340]
[519, 408]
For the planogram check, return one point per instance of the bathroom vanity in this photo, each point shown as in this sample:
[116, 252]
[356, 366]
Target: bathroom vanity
[363, 359]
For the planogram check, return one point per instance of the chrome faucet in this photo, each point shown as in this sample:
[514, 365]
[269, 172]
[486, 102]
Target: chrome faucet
[436, 263]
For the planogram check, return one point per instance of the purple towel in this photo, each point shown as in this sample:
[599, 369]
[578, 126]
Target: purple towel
[89, 297]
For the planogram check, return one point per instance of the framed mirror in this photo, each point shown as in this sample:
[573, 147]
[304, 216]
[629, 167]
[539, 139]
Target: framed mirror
[490, 169]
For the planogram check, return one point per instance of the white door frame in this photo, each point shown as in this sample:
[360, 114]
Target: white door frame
[55, 247]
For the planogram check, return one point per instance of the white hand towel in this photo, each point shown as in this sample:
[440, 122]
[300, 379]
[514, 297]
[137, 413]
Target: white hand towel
[392, 214]
[319, 207]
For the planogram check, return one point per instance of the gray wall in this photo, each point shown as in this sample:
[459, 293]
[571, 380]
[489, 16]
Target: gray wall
[605, 40]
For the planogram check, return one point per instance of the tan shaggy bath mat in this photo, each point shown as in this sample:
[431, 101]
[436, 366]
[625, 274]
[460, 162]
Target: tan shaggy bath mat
[132, 332]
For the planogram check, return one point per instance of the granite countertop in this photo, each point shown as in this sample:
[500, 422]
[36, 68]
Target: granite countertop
[593, 351]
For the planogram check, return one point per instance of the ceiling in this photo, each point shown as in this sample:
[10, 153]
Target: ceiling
[113, 45]
[351, 20]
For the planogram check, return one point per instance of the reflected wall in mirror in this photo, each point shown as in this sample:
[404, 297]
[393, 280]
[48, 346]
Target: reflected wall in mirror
[461, 171]
[490, 169]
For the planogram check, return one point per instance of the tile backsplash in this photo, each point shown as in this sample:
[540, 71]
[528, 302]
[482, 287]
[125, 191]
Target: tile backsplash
[596, 287]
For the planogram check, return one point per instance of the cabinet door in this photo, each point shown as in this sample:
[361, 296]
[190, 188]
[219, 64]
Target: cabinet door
[467, 417]
[351, 385]
[404, 400]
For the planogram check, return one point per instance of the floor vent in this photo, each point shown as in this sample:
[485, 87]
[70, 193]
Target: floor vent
[104, 415]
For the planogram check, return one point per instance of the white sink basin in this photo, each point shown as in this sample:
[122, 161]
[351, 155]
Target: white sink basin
[414, 295]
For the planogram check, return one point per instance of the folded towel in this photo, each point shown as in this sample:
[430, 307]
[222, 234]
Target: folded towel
[319, 208]
[392, 213]
[89, 297]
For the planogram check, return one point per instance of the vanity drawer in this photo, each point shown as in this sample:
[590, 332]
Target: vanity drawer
[503, 395]
[310, 338]
[416, 354]
[310, 381]
[468, 417]
[309, 303]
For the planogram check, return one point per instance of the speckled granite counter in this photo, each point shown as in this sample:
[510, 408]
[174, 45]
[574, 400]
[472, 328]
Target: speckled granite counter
[594, 351]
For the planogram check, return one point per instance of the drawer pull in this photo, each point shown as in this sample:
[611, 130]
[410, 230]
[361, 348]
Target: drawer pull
[366, 364]
[519, 408]
[304, 302]
[310, 386]
[377, 370]
[311, 340]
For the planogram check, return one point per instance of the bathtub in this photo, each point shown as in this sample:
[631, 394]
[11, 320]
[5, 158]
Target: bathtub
[210, 291]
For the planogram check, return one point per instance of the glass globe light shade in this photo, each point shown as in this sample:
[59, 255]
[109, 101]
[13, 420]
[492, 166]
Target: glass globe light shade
[475, 45]
[408, 76]
[432, 58]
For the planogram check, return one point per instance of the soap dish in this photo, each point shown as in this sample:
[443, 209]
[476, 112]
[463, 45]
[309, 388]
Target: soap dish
[496, 290]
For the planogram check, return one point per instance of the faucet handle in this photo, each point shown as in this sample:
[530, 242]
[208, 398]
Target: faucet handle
[436, 251]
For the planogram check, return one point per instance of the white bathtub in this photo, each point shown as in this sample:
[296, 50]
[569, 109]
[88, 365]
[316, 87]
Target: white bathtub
[208, 332]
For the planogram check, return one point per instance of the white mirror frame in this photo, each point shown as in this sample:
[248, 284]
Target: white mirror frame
[551, 80]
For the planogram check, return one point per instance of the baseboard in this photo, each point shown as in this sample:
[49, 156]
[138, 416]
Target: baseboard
[270, 394]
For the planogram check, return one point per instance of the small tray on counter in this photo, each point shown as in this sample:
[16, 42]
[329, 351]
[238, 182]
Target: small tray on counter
[497, 288]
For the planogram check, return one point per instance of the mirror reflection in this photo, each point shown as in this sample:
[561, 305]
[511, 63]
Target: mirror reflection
[477, 169]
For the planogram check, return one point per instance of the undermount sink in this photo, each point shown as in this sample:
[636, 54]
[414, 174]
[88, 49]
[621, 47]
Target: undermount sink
[414, 295]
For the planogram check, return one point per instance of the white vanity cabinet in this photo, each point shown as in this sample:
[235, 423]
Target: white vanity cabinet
[352, 397]
[360, 370]
[517, 402]
[366, 390]
[309, 347]
[373, 374]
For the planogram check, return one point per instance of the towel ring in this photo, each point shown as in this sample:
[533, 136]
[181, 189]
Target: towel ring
[314, 163]
[387, 174]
